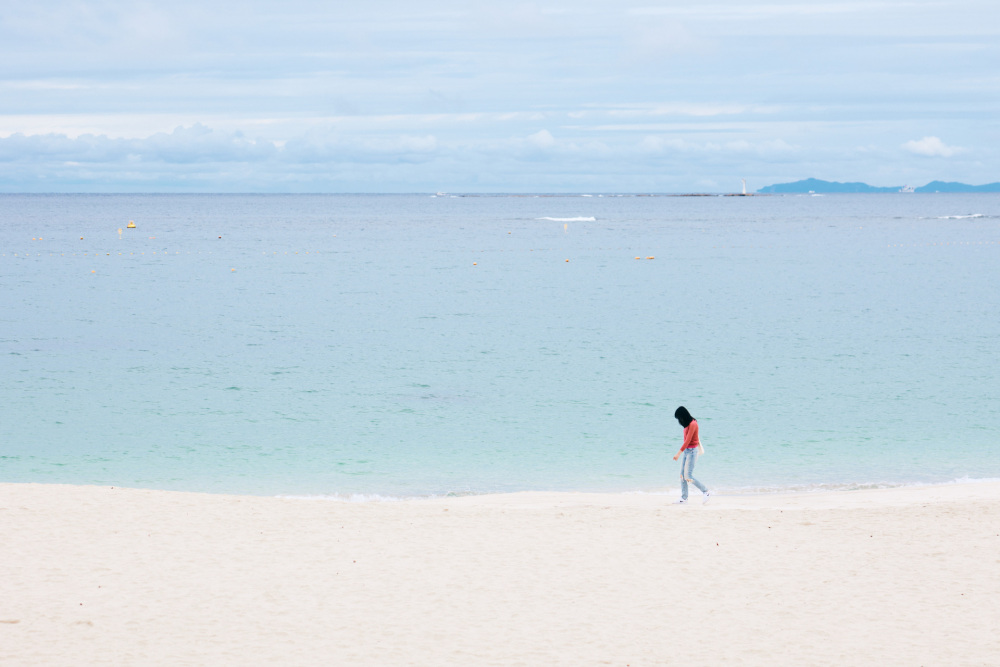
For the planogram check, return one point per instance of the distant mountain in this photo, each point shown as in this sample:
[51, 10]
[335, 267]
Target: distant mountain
[941, 186]
[816, 185]
[825, 187]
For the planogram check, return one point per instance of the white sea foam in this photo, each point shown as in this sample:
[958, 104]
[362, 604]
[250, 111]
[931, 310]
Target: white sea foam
[961, 217]
[850, 486]
[717, 489]
[580, 219]
[350, 498]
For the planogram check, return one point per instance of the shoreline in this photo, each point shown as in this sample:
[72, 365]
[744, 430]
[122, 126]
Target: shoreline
[665, 493]
[899, 576]
[670, 493]
[966, 488]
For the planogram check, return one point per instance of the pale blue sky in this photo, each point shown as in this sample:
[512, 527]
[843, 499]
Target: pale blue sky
[585, 96]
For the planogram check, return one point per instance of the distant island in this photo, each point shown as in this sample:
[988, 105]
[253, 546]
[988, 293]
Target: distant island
[826, 187]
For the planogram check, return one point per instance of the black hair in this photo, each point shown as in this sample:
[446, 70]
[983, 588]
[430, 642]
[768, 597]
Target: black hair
[682, 415]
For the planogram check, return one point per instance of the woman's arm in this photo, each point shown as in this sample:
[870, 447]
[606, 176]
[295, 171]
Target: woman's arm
[690, 434]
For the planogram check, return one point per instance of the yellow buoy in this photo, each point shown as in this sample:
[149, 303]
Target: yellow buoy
[130, 225]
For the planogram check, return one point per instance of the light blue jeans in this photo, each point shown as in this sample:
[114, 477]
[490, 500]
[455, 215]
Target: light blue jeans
[687, 468]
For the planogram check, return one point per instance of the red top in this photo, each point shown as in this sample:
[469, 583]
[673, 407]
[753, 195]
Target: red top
[691, 440]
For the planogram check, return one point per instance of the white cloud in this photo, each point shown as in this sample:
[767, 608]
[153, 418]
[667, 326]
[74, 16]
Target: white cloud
[652, 144]
[329, 145]
[200, 144]
[659, 145]
[196, 143]
[768, 10]
[542, 139]
[931, 147]
[654, 39]
[685, 109]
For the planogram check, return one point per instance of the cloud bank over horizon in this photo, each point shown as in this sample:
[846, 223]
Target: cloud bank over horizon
[109, 96]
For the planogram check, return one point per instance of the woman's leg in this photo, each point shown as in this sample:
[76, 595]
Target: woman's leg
[689, 458]
[684, 476]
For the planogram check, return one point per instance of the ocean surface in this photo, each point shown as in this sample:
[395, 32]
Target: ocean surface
[413, 345]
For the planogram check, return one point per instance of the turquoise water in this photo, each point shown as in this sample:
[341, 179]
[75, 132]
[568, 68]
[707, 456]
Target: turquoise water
[410, 345]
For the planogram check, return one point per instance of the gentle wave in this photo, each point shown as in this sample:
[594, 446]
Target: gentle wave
[378, 497]
[961, 217]
[718, 490]
[353, 498]
[580, 219]
[848, 486]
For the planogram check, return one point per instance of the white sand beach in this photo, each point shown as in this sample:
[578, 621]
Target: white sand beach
[98, 575]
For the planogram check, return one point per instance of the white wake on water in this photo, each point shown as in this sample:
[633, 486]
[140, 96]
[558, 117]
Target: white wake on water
[580, 219]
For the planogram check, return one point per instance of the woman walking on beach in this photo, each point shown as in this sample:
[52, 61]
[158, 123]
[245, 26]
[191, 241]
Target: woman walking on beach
[689, 450]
